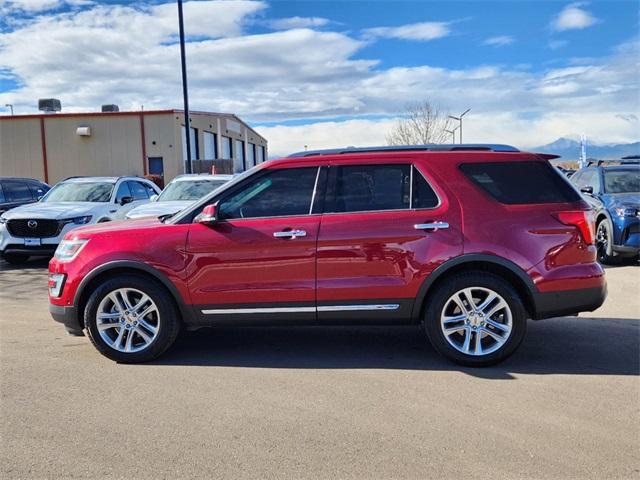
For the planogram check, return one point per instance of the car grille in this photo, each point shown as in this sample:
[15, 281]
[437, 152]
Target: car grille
[33, 228]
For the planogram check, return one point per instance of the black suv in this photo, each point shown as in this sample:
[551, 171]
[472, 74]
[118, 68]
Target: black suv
[19, 191]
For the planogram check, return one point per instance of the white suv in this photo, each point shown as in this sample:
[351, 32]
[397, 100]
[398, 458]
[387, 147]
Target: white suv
[37, 228]
[181, 192]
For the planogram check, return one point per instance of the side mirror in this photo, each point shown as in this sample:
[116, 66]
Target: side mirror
[587, 190]
[153, 198]
[208, 215]
[125, 200]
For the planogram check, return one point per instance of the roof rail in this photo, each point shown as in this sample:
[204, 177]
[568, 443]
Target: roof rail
[431, 147]
[630, 160]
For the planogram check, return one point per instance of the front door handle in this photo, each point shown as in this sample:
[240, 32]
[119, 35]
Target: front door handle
[290, 234]
[433, 226]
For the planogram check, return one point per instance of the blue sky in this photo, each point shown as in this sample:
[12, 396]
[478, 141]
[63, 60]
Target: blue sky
[333, 73]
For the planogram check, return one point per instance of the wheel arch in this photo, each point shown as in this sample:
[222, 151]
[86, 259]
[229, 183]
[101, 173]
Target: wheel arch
[110, 269]
[482, 263]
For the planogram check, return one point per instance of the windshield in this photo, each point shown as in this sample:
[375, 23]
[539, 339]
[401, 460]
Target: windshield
[189, 189]
[622, 181]
[80, 192]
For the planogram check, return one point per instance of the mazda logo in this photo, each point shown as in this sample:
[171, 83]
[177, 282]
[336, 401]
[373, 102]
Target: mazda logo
[32, 224]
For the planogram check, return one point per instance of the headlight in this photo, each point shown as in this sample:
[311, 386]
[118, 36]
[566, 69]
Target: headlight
[3, 220]
[626, 211]
[69, 249]
[56, 281]
[78, 220]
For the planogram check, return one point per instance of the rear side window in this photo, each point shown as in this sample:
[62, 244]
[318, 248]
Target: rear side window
[360, 188]
[521, 183]
[17, 192]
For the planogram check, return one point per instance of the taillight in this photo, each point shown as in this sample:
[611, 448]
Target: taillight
[582, 219]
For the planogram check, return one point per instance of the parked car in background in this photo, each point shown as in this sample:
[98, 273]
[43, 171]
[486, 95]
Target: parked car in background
[181, 192]
[37, 228]
[16, 191]
[458, 238]
[614, 193]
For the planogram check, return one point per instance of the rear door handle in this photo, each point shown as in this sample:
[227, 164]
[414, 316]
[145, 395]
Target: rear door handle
[290, 234]
[434, 226]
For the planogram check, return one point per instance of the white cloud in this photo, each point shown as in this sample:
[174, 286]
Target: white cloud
[415, 31]
[499, 41]
[573, 17]
[129, 56]
[29, 5]
[297, 22]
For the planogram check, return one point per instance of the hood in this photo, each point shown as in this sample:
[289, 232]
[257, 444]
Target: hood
[51, 211]
[155, 209]
[116, 227]
[621, 199]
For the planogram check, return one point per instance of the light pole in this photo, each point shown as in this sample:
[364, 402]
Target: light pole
[453, 134]
[460, 120]
[185, 90]
[9, 106]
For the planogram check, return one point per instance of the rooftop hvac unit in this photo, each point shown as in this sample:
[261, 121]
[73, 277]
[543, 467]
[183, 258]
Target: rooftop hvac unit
[110, 108]
[49, 105]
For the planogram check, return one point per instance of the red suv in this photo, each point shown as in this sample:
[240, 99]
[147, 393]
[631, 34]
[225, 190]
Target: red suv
[468, 240]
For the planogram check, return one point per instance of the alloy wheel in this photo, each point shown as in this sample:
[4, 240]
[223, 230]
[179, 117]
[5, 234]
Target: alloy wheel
[476, 321]
[128, 320]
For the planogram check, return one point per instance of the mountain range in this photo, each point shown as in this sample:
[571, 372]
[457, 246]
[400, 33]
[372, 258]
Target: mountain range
[570, 149]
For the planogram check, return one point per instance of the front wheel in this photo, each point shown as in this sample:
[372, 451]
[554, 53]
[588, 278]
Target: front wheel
[475, 319]
[131, 319]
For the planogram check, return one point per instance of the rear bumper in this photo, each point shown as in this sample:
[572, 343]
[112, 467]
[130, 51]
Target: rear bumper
[66, 315]
[569, 302]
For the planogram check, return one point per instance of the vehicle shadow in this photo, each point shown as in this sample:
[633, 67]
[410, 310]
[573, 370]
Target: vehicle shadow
[35, 263]
[573, 345]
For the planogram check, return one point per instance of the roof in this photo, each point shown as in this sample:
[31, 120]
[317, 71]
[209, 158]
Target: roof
[139, 113]
[201, 176]
[431, 147]
[101, 179]
[35, 180]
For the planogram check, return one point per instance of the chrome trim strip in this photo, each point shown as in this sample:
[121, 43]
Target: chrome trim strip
[224, 311]
[323, 308]
[351, 308]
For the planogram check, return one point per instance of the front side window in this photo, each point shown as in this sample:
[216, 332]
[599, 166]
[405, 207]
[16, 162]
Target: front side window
[278, 193]
[80, 192]
[2, 200]
[123, 191]
[138, 191]
[622, 181]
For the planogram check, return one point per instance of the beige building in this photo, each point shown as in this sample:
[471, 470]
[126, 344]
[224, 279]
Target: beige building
[51, 147]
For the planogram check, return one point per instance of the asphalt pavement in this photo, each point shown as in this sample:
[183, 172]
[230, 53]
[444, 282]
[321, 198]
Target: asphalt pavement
[320, 402]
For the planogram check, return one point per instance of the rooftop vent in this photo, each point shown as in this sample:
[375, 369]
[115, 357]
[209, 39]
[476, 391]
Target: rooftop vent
[110, 108]
[49, 105]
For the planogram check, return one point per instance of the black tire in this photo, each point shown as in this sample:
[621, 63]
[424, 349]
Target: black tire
[15, 258]
[168, 321]
[603, 243]
[438, 301]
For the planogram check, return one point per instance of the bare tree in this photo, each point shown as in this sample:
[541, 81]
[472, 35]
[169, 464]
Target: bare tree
[422, 123]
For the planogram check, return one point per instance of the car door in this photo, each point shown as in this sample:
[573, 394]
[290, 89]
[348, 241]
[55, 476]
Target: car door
[384, 228]
[257, 262]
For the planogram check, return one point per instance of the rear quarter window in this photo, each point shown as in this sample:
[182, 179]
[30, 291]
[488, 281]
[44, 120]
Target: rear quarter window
[521, 183]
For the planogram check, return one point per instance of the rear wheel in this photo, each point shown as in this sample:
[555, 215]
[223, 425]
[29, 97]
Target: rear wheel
[475, 319]
[603, 243]
[131, 319]
[15, 258]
